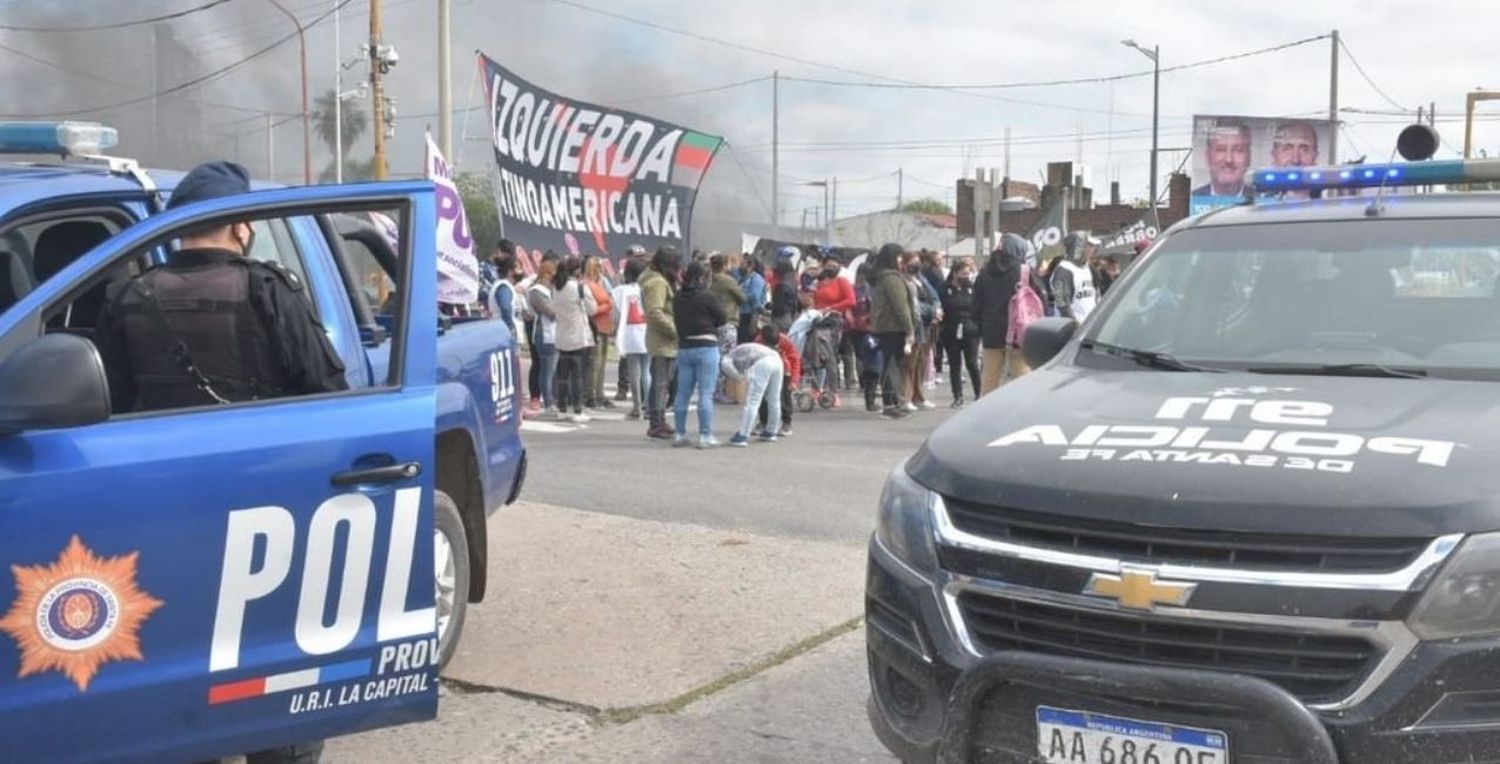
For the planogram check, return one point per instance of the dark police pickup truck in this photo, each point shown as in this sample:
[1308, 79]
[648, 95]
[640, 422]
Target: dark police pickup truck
[1248, 512]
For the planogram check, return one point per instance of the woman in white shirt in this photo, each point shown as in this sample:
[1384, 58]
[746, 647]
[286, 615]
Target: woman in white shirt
[630, 333]
[574, 305]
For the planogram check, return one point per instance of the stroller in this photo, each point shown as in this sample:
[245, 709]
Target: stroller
[818, 336]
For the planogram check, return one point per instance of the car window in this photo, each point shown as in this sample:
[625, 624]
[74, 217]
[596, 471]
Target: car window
[136, 342]
[1414, 294]
[36, 248]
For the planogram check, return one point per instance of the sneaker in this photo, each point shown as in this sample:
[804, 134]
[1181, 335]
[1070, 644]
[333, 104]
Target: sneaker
[895, 412]
[633, 414]
[871, 406]
[550, 413]
[786, 432]
[738, 440]
[759, 433]
[605, 403]
[622, 395]
[908, 407]
[765, 437]
[678, 441]
[660, 433]
[707, 441]
[578, 418]
[958, 403]
[928, 405]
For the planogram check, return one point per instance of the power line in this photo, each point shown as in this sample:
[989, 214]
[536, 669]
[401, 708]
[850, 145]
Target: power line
[217, 73]
[1367, 79]
[753, 187]
[661, 97]
[91, 76]
[116, 25]
[899, 85]
[716, 40]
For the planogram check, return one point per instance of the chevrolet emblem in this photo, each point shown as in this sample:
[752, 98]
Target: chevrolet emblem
[1139, 589]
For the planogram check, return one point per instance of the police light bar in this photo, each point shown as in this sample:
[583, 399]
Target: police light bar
[64, 138]
[1273, 180]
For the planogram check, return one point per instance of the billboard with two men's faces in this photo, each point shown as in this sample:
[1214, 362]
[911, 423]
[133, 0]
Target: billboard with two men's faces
[1227, 149]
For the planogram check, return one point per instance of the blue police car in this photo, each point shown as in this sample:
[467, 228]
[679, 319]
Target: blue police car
[190, 583]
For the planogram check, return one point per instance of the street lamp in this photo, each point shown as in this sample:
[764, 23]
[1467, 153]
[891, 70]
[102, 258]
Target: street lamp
[306, 117]
[1154, 53]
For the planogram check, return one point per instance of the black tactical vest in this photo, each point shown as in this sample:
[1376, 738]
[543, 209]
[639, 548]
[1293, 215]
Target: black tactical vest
[195, 338]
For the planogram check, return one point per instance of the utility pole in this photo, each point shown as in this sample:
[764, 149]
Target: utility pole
[775, 152]
[306, 116]
[338, 100]
[270, 149]
[833, 209]
[900, 182]
[445, 84]
[377, 90]
[1007, 154]
[1333, 96]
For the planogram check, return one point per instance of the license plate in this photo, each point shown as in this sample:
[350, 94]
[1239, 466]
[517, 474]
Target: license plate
[1081, 737]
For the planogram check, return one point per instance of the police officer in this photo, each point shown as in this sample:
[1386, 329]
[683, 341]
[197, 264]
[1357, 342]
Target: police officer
[211, 325]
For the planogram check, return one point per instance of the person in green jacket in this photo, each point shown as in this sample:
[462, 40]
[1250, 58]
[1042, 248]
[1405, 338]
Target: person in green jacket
[727, 291]
[658, 288]
[893, 325]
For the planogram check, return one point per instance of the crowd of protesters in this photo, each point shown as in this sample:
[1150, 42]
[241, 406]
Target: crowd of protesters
[718, 329]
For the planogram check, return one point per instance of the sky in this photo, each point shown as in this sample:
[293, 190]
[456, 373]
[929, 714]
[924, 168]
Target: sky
[1414, 54]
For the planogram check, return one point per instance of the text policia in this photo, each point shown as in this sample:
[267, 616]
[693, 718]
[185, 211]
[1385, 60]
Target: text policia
[595, 170]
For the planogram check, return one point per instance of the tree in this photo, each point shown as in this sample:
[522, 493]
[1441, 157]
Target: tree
[353, 123]
[927, 206]
[479, 209]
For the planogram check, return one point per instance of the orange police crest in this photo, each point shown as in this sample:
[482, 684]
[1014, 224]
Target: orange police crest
[78, 613]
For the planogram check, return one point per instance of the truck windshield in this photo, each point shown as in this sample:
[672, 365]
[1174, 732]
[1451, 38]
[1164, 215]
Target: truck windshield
[1390, 298]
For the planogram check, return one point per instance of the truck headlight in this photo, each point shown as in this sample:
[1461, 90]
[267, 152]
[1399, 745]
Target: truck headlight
[1464, 600]
[905, 522]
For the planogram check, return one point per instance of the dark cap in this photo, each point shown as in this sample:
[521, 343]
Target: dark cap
[210, 180]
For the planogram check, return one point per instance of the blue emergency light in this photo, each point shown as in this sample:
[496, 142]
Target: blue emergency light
[1274, 180]
[64, 138]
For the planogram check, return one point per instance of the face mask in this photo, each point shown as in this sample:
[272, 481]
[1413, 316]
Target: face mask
[829, 273]
[914, 269]
[965, 279]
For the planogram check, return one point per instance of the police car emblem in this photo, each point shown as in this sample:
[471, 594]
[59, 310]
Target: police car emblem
[77, 614]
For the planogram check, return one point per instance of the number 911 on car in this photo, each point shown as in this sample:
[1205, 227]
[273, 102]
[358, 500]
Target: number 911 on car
[1080, 737]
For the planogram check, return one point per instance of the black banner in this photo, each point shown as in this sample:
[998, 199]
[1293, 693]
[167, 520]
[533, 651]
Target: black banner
[581, 178]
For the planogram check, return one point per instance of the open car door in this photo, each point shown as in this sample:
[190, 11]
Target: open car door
[191, 583]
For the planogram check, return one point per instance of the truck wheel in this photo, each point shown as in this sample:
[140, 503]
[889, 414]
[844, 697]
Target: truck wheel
[450, 547]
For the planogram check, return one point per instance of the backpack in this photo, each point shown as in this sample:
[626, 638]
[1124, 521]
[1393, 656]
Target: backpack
[1025, 308]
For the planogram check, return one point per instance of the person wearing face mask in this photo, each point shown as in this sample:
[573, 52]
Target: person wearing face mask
[960, 331]
[239, 329]
[928, 312]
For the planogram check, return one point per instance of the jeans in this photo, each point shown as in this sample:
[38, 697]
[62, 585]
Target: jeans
[596, 371]
[661, 390]
[546, 354]
[533, 377]
[573, 371]
[966, 348]
[766, 384]
[638, 374]
[893, 357]
[696, 368]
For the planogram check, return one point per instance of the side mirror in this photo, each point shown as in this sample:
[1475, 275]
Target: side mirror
[53, 381]
[1045, 338]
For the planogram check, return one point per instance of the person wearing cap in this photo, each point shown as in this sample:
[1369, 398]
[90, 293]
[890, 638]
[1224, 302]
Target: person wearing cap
[211, 325]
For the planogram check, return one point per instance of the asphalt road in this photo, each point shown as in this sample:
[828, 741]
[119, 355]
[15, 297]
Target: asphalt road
[715, 597]
[820, 483]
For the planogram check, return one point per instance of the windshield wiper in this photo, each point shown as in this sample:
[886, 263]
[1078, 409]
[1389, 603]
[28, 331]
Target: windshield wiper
[1343, 370]
[1148, 358]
